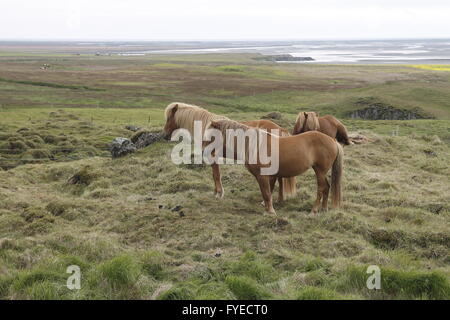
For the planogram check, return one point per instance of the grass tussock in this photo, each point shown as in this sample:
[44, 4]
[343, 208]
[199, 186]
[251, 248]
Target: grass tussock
[400, 284]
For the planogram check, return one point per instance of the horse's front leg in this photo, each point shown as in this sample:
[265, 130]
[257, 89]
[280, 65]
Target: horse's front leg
[218, 188]
[265, 187]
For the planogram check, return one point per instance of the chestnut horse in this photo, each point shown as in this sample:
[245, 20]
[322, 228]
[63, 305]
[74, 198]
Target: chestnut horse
[296, 155]
[310, 121]
[181, 115]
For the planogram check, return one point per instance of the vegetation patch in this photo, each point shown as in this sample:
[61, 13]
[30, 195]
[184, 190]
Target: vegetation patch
[400, 284]
[245, 288]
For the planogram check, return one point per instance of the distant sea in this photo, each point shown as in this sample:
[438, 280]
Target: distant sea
[355, 51]
[418, 51]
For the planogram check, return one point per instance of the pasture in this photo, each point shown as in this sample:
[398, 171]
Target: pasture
[141, 227]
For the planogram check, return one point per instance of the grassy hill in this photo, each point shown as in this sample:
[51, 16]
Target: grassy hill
[121, 223]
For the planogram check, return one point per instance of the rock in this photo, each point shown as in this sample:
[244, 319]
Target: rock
[430, 153]
[121, 146]
[181, 214]
[147, 138]
[132, 128]
[177, 208]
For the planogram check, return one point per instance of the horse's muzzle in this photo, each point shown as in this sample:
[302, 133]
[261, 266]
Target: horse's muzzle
[167, 136]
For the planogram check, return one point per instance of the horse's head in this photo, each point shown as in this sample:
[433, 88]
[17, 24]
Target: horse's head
[171, 124]
[300, 123]
[306, 121]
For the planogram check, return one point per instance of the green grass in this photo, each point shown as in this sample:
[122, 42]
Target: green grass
[401, 284]
[116, 222]
[245, 288]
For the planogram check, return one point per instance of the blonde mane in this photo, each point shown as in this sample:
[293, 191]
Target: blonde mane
[226, 124]
[227, 127]
[186, 114]
[310, 123]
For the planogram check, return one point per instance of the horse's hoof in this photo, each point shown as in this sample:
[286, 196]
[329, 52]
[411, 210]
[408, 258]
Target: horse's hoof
[219, 195]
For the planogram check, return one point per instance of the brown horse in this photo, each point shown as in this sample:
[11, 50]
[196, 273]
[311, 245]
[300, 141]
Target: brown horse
[296, 155]
[310, 121]
[181, 115]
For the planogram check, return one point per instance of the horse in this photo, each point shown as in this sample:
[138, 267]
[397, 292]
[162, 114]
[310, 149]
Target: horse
[182, 115]
[329, 125]
[297, 154]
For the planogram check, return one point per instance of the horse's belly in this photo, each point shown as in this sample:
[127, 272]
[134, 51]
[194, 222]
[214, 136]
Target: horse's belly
[289, 169]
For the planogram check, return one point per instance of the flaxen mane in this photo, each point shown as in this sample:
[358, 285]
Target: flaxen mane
[308, 121]
[187, 114]
[227, 127]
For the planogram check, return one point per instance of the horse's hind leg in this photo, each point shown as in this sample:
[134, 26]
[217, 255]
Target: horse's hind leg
[264, 185]
[280, 190]
[322, 188]
[218, 189]
[326, 191]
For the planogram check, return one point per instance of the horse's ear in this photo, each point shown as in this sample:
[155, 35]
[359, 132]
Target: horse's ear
[316, 114]
[175, 108]
[305, 114]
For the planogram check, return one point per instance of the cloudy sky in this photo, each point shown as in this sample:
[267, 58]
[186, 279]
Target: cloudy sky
[223, 19]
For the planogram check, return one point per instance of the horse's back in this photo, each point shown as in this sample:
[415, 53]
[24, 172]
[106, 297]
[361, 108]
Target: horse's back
[306, 150]
[334, 128]
[266, 124]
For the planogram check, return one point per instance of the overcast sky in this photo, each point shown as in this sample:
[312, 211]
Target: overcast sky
[223, 19]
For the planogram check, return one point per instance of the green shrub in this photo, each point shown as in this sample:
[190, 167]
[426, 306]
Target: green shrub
[121, 271]
[154, 264]
[254, 267]
[246, 288]
[309, 263]
[28, 279]
[176, 293]
[401, 284]
[44, 290]
[5, 284]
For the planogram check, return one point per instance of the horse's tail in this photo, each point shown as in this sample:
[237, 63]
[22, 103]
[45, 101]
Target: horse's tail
[289, 186]
[342, 135]
[336, 177]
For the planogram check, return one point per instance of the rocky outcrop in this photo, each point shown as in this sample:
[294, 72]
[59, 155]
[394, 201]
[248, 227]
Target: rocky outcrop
[121, 147]
[145, 138]
[376, 110]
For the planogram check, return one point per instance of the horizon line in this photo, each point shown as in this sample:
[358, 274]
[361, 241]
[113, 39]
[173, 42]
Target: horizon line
[218, 40]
